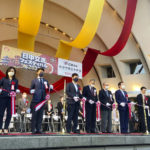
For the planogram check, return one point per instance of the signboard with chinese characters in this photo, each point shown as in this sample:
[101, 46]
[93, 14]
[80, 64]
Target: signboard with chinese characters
[30, 60]
[67, 68]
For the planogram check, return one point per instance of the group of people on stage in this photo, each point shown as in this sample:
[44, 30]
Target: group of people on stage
[40, 88]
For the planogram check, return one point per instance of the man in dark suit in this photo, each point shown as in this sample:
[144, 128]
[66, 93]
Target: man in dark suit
[122, 100]
[90, 93]
[61, 112]
[73, 102]
[140, 98]
[38, 88]
[106, 99]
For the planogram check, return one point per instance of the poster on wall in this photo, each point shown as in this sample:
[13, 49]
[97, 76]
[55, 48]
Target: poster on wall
[30, 60]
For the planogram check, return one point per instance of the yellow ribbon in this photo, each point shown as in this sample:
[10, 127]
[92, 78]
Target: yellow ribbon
[87, 32]
[29, 21]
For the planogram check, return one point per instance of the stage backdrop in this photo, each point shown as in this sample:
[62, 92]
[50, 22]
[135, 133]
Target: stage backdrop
[29, 60]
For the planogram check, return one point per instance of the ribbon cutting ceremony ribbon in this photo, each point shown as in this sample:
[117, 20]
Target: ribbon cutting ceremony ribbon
[13, 98]
[83, 106]
[39, 106]
[98, 112]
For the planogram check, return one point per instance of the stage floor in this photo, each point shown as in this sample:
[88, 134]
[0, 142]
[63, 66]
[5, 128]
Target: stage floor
[74, 141]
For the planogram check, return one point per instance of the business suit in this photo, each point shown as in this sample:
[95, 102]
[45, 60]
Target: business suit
[72, 90]
[121, 97]
[49, 109]
[90, 93]
[38, 96]
[5, 100]
[60, 110]
[105, 96]
[22, 104]
[142, 127]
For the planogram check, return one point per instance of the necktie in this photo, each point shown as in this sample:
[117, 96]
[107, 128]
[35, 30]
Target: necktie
[92, 90]
[107, 93]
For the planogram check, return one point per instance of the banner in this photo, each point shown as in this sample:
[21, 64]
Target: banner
[30, 60]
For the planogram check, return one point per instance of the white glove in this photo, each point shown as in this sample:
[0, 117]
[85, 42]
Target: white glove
[1, 90]
[76, 98]
[17, 91]
[107, 104]
[32, 91]
[91, 102]
[51, 87]
[122, 104]
[84, 98]
[133, 103]
[146, 107]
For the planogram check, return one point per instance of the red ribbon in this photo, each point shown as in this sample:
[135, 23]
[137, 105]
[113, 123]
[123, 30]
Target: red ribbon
[83, 106]
[98, 112]
[129, 106]
[13, 98]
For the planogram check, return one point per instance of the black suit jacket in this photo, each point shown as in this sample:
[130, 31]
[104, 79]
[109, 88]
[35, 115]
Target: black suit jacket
[59, 108]
[105, 99]
[6, 84]
[139, 99]
[71, 92]
[89, 95]
[40, 92]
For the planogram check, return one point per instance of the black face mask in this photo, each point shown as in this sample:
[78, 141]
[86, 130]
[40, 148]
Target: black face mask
[41, 74]
[75, 79]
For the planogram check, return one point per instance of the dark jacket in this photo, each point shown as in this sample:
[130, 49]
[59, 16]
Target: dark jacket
[122, 98]
[140, 102]
[71, 92]
[89, 95]
[106, 99]
[40, 91]
[6, 85]
[59, 108]
[46, 109]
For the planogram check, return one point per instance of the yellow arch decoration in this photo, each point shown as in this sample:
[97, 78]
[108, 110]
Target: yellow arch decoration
[87, 32]
[29, 21]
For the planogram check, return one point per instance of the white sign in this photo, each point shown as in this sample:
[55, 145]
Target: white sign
[67, 68]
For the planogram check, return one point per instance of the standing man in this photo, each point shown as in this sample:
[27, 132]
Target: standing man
[90, 93]
[39, 87]
[73, 102]
[106, 99]
[140, 98]
[122, 100]
[60, 112]
[23, 106]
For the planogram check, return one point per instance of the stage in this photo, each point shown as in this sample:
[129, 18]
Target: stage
[75, 141]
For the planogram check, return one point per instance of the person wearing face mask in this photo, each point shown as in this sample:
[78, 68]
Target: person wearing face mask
[7, 85]
[73, 103]
[122, 100]
[106, 99]
[23, 106]
[38, 89]
[90, 93]
[140, 98]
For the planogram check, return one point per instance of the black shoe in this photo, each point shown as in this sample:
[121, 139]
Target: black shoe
[94, 132]
[34, 133]
[88, 131]
[77, 131]
[39, 132]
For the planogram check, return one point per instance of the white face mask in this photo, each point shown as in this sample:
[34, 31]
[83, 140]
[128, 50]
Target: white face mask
[107, 87]
[123, 87]
[10, 74]
[92, 85]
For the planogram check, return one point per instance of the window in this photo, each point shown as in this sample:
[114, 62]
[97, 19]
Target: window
[107, 71]
[136, 68]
